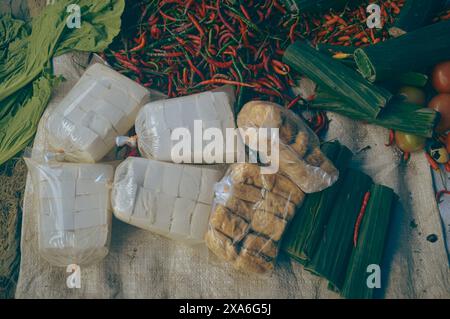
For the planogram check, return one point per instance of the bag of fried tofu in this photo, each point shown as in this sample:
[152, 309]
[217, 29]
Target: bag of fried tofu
[74, 212]
[251, 211]
[100, 107]
[299, 158]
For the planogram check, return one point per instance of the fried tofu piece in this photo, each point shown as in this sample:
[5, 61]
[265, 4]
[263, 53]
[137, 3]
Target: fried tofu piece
[288, 190]
[300, 146]
[220, 245]
[250, 174]
[228, 223]
[307, 177]
[248, 193]
[260, 245]
[253, 262]
[240, 207]
[268, 224]
[276, 205]
[257, 114]
[318, 159]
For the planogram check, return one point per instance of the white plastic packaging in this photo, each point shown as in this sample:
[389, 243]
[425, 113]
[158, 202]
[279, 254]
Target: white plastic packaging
[172, 200]
[74, 210]
[157, 120]
[101, 106]
[300, 158]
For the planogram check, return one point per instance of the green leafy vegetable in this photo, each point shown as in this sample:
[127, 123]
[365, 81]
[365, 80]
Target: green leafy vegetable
[26, 51]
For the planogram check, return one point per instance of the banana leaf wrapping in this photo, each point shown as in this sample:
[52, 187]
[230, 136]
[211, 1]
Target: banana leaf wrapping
[398, 115]
[413, 51]
[416, 14]
[333, 253]
[306, 229]
[331, 75]
[372, 237]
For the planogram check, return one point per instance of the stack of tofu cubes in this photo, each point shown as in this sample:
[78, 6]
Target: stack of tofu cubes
[170, 199]
[157, 121]
[74, 211]
[102, 105]
[74, 198]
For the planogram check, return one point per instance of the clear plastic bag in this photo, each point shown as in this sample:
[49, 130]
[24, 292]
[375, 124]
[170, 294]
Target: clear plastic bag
[171, 200]
[250, 214]
[101, 106]
[300, 158]
[74, 210]
[157, 120]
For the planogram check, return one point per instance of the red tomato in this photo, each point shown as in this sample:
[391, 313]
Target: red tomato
[441, 103]
[441, 77]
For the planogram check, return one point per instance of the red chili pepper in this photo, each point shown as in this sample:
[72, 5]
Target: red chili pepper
[224, 81]
[294, 101]
[360, 218]
[195, 69]
[196, 24]
[141, 43]
[222, 65]
[447, 167]
[391, 138]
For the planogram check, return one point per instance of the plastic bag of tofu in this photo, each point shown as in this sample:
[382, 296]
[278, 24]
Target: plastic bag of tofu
[299, 158]
[157, 121]
[171, 200]
[74, 209]
[251, 211]
[101, 106]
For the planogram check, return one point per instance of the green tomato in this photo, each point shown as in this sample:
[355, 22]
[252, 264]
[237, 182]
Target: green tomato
[409, 143]
[413, 95]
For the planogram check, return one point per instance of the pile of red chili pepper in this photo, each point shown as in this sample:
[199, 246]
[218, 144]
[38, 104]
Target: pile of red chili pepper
[180, 47]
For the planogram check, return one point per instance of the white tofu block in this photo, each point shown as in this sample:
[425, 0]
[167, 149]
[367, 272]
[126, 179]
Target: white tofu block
[86, 131]
[190, 182]
[123, 200]
[115, 116]
[222, 105]
[205, 108]
[181, 219]
[209, 178]
[77, 116]
[55, 206]
[95, 172]
[172, 112]
[59, 172]
[163, 214]
[91, 201]
[154, 176]
[82, 138]
[92, 239]
[199, 222]
[122, 101]
[58, 220]
[98, 124]
[57, 189]
[90, 218]
[144, 206]
[90, 187]
[172, 180]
